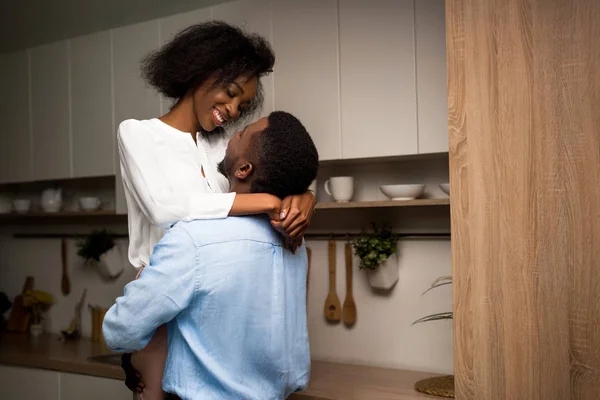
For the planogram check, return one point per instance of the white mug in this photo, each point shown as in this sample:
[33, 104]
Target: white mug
[89, 203]
[341, 188]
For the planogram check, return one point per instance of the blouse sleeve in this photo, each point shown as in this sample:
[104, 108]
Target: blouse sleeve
[160, 201]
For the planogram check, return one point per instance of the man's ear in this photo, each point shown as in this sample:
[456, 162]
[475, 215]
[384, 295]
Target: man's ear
[244, 171]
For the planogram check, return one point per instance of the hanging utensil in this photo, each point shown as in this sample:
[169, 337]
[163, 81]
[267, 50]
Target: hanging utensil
[333, 309]
[349, 311]
[65, 283]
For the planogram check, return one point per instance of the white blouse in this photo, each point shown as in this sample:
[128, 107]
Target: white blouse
[161, 171]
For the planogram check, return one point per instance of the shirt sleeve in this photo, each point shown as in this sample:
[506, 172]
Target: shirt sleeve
[162, 203]
[165, 288]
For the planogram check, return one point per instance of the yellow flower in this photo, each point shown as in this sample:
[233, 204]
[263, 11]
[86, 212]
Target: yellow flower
[37, 297]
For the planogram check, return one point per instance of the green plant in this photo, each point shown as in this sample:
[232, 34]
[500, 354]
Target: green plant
[375, 247]
[95, 245]
[441, 281]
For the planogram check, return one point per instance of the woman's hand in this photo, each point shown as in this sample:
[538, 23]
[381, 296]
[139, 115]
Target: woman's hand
[296, 213]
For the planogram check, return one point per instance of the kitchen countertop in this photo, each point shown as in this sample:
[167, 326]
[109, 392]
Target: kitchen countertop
[329, 381]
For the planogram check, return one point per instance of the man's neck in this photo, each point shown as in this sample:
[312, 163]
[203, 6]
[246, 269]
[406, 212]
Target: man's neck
[239, 187]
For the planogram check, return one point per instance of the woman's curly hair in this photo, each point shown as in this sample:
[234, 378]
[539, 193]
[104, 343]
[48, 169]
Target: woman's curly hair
[212, 50]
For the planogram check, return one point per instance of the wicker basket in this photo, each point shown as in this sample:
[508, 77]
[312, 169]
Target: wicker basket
[441, 386]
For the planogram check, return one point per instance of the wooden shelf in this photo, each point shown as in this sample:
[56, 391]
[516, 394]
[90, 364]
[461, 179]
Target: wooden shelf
[61, 214]
[384, 203]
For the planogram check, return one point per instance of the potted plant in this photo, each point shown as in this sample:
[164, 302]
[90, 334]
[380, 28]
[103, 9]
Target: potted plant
[441, 386]
[38, 303]
[99, 250]
[377, 253]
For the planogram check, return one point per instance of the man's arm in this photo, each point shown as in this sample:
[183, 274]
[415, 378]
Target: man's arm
[164, 288]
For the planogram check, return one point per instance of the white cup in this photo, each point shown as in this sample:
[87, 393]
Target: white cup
[341, 188]
[89, 203]
[21, 205]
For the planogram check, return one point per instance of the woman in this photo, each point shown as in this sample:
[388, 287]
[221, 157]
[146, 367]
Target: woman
[212, 72]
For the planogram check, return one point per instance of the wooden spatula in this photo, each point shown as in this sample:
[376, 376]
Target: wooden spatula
[333, 309]
[65, 283]
[349, 311]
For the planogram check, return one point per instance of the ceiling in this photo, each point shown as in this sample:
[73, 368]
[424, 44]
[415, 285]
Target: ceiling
[27, 23]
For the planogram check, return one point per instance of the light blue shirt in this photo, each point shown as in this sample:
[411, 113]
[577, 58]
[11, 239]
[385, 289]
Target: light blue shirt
[235, 301]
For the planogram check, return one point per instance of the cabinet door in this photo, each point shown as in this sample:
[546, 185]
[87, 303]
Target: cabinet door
[132, 97]
[28, 384]
[307, 69]
[172, 25]
[432, 99]
[50, 111]
[91, 106]
[79, 387]
[15, 138]
[377, 60]
[252, 16]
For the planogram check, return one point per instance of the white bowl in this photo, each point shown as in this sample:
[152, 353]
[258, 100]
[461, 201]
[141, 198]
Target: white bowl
[22, 205]
[90, 203]
[445, 188]
[402, 192]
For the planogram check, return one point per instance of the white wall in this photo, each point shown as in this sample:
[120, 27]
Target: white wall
[382, 336]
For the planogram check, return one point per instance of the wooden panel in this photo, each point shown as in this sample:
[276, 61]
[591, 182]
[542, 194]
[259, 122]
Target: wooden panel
[172, 25]
[133, 98]
[524, 95]
[252, 16]
[432, 94]
[378, 89]
[15, 140]
[28, 384]
[93, 133]
[78, 387]
[50, 112]
[308, 86]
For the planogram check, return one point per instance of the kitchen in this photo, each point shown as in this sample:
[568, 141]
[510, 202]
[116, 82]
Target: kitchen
[60, 136]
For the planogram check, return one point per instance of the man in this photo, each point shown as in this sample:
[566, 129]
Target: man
[233, 297]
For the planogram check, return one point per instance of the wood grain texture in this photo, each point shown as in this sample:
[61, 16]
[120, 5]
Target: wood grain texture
[524, 126]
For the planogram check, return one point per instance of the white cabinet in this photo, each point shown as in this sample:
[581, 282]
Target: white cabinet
[92, 127]
[172, 25]
[252, 16]
[378, 90]
[15, 139]
[28, 384]
[50, 112]
[82, 387]
[432, 99]
[132, 97]
[307, 69]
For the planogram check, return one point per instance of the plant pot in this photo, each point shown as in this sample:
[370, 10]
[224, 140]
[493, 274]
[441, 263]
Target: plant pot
[111, 264]
[36, 329]
[385, 276]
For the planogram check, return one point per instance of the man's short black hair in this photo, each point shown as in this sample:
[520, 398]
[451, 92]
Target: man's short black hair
[212, 50]
[288, 159]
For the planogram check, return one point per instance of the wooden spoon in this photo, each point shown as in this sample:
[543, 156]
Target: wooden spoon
[333, 309]
[349, 312]
[65, 283]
